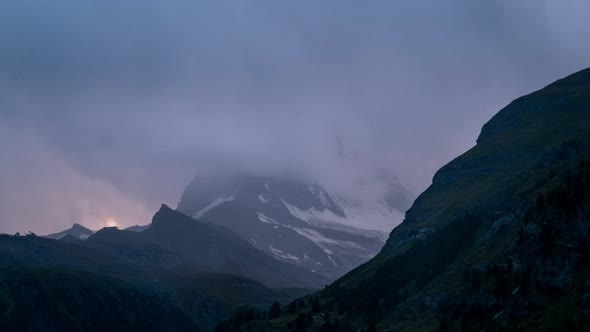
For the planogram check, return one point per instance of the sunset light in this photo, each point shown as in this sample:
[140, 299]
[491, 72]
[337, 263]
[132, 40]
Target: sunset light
[111, 222]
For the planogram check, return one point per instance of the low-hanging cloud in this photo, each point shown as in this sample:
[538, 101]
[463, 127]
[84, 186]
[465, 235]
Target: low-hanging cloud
[116, 104]
[41, 192]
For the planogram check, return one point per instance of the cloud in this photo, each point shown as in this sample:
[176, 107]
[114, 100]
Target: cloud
[132, 98]
[42, 193]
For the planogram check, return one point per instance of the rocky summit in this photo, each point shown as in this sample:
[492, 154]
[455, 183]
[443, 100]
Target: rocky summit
[294, 221]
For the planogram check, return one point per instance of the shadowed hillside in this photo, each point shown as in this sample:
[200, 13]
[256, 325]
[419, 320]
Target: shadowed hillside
[200, 271]
[52, 300]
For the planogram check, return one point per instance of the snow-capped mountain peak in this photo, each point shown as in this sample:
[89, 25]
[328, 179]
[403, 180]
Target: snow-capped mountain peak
[293, 221]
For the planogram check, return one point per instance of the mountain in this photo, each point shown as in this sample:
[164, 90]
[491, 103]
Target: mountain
[50, 267]
[137, 228]
[295, 222]
[176, 241]
[82, 233]
[78, 231]
[499, 242]
[200, 270]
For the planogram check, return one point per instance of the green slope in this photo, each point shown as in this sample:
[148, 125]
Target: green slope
[518, 149]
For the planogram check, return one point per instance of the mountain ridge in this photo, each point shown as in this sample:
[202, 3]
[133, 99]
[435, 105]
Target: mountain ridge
[193, 269]
[175, 240]
[296, 222]
[78, 231]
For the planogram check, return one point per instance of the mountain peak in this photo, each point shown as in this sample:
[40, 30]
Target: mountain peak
[78, 231]
[103, 230]
[293, 220]
[165, 208]
[166, 217]
[78, 227]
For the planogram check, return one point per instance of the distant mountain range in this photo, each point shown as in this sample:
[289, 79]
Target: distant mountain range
[173, 241]
[192, 265]
[251, 240]
[294, 221]
[82, 233]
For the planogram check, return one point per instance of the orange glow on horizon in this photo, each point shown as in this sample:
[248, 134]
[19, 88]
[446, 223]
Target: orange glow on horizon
[111, 222]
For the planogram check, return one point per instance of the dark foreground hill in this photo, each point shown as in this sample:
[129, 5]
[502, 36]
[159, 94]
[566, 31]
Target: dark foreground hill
[499, 242]
[173, 243]
[198, 270]
[52, 300]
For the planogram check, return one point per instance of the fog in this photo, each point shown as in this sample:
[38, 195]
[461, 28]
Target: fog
[109, 108]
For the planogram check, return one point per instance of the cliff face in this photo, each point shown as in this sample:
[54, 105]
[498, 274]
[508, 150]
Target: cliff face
[500, 240]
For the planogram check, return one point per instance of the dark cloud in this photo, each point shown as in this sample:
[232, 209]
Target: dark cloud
[114, 105]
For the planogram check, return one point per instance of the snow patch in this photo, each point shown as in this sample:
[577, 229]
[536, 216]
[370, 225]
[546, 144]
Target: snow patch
[266, 219]
[263, 199]
[319, 194]
[314, 236]
[330, 257]
[307, 258]
[80, 237]
[282, 254]
[296, 212]
[213, 205]
[378, 216]
[317, 238]
[322, 241]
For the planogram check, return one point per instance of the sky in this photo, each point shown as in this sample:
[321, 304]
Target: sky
[109, 108]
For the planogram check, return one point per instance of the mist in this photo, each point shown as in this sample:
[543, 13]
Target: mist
[110, 108]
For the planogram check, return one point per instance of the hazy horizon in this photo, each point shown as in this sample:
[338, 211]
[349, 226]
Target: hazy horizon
[108, 110]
